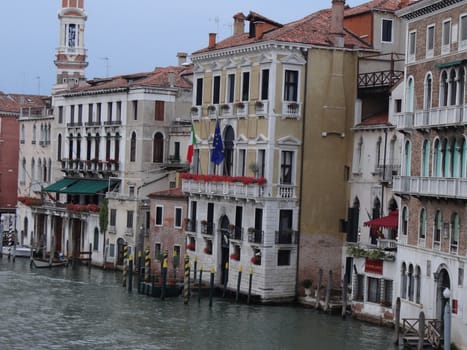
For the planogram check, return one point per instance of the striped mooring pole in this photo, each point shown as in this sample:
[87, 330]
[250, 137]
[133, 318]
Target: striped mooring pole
[147, 264]
[125, 261]
[165, 265]
[239, 280]
[186, 280]
[249, 285]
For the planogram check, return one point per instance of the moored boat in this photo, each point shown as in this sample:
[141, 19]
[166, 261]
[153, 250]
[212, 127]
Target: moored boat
[18, 251]
[42, 263]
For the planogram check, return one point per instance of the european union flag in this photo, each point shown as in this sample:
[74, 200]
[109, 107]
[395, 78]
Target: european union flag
[217, 155]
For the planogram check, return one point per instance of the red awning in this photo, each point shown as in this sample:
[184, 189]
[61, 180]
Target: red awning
[389, 221]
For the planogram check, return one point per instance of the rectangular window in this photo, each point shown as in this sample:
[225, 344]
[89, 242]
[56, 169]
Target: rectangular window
[119, 110]
[358, 287]
[411, 46]
[261, 163]
[446, 38]
[129, 219]
[265, 84]
[430, 40]
[135, 110]
[463, 31]
[386, 30]
[158, 215]
[230, 88]
[72, 114]
[80, 114]
[460, 276]
[216, 90]
[159, 110]
[157, 251]
[286, 167]
[291, 85]
[109, 111]
[246, 86]
[90, 108]
[177, 151]
[131, 191]
[241, 162]
[374, 290]
[176, 255]
[199, 92]
[60, 114]
[283, 257]
[387, 295]
[112, 250]
[398, 105]
[99, 112]
[178, 218]
[113, 217]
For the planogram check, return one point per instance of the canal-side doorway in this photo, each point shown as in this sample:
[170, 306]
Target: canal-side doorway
[442, 283]
[224, 236]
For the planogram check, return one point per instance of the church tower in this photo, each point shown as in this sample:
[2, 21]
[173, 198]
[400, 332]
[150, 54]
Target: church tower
[71, 54]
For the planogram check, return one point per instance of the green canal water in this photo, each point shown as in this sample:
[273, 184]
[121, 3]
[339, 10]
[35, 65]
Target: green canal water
[65, 308]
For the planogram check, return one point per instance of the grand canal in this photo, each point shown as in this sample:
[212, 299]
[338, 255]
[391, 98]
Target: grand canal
[65, 308]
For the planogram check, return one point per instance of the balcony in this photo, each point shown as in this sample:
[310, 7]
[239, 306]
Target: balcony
[90, 124]
[235, 233]
[286, 191]
[213, 185]
[112, 123]
[207, 228]
[379, 79]
[74, 125]
[287, 236]
[226, 110]
[213, 111]
[241, 109]
[291, 110]
[386, 250]
[261, 108]
[455, 188]
[387, 171]
[255, 235]
[405, 121]
[190, 226]
[195, 112]
[441, 116]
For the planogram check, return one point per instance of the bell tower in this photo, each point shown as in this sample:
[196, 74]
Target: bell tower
[70, 58]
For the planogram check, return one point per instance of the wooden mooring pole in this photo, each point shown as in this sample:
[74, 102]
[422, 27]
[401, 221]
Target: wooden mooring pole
[239, 280]
[199, 282]
[328, 291]
[249, 285]
[344, 297]
[130, 273]
[211, 287]
[318, 288]
[397, 321]
[421, 330]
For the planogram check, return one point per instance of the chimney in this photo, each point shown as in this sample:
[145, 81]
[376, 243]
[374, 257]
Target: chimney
[212, 40]
[337, 22]
[239, 23]
[260, 28]
[181, 58]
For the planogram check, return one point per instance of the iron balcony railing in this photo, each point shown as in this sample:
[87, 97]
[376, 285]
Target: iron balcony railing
[255, 235]
[207, 228]
[286, 237]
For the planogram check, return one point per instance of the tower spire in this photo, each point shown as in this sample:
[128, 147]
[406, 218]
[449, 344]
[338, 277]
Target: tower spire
[71, 58]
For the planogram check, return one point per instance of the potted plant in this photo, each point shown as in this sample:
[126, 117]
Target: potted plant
[306, 284]
[240, 105]
[194, 109]
[211, 108]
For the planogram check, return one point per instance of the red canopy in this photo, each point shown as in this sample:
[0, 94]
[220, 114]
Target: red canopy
[389, 221]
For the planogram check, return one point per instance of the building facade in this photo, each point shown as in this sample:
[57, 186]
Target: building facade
[432, 231]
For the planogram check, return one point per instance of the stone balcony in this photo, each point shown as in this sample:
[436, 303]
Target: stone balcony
[435, 117]
[431, 186]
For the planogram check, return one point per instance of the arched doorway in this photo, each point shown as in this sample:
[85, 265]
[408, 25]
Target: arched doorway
[225, 242]
[443, 282]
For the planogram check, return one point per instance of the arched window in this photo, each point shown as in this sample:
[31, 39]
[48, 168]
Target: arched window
[158, 148]
[96, 239]
[117, 146]
[418, 279]
[88, 147]
[21, 136]
[59, 147]
[461, 86]
[425, 158]
[410, 95]
[78, 147]
[97, 146]
[228, 150]
[133, 147]
[70, 147]
[438, 226]
[405, 220]
[39, 170]
[407, 158]
[33, 169]
[379, 161]
[23, 171]
[443, 89]
[463, 165]
[403, 281]
[44, 171]
[34, 134]
[437, 159]
[428, 92]
[358, 156]
[49, 172]
[446, 158]
[411, 280]
[452, 87]
[456, 159]
[422, 224]
[108, 140]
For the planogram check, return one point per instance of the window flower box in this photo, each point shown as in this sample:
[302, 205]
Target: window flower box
[235, 257]
[207, 250]
[256, 260]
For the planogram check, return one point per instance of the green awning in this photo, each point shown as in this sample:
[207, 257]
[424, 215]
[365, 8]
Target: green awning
[86, 186]
[449, 64]
[60, 185]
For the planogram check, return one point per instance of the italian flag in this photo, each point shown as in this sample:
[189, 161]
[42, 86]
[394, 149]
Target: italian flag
[191, 146]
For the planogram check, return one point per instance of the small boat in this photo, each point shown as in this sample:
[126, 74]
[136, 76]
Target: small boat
[21, 251]
[42, 263]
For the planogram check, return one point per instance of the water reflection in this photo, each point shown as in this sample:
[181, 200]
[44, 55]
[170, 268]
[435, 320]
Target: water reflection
[74, 309]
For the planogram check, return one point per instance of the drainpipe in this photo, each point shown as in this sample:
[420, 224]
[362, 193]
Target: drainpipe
[301, 176]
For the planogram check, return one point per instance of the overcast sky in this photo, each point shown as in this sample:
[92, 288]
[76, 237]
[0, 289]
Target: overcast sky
[122, 36]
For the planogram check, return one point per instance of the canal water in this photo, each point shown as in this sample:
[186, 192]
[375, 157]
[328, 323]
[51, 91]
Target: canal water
[65, 308]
